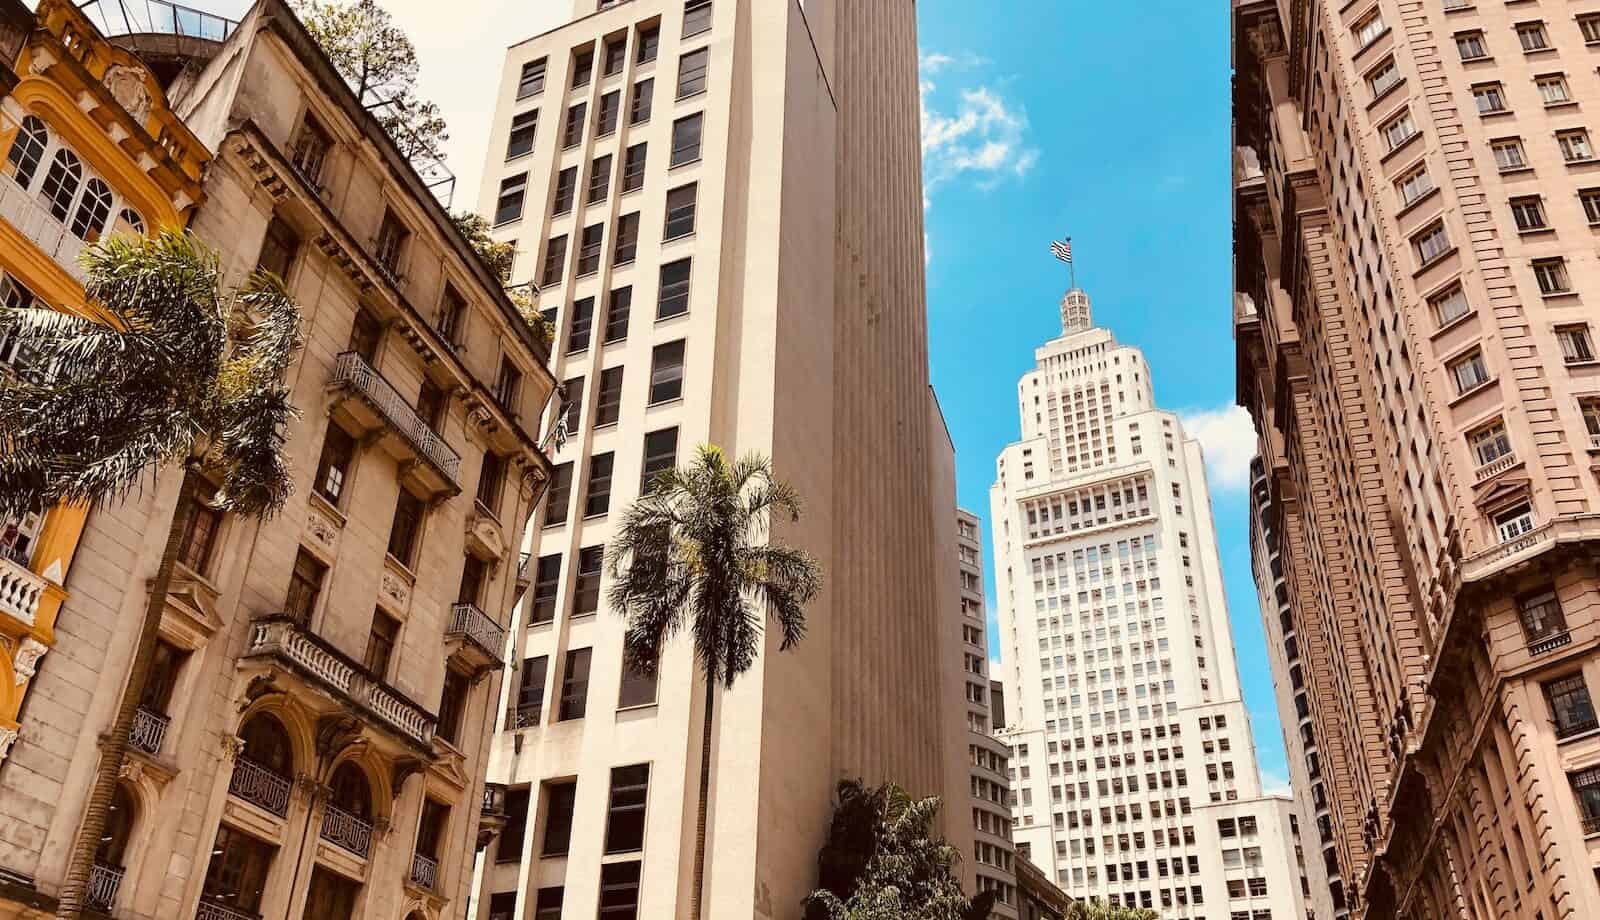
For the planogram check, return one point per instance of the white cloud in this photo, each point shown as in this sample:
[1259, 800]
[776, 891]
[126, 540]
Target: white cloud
[975, 133]
[1274, 783]
[933, 63]
[1228, 437]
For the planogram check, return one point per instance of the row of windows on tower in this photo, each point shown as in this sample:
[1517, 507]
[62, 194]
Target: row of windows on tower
[696, 20]
[660, 455]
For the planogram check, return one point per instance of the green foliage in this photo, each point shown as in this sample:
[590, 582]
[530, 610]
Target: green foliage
[379, 62]
[691, 554]
[496, 255]
[182, 372]
[543, 329]
[882, 861]
[1099, 910]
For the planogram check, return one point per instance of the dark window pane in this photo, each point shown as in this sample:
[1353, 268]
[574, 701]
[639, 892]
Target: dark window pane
[582, 325]
[555, 260]
[630, 787]
[559, 799]
[508, 385]
[627, 239]
[200, 537]
[597, 498]
[1571, 705]
[696, 17]
[586, 593]
[237, 874]
[364, 336]
[616, 56]
[545, 582]
[431, 404]
[491, 478]
[680, 212]
[305, 587]
[589, 254]
[509, 846]
[660, 453]
[338, 449]
[531, 81]
[619, 891]
[381, 639]
[633, 168]
[599, 179]
[530, 693]
[638, 689]
[574, 405]
[566, 190]
[279, 248]
[692, 72]
[617, 309]
[582, 68]
[649, 44]
[666, 372]
[674, 298]
[508, 207]
[559, 495]
[686, 139]
[403, 531]
[452, 705]
[524, 129]
[547, 906]
[644, 93]
[164, 670]
[574, 687]
[610, 108]
[608, 404]
[573, 133]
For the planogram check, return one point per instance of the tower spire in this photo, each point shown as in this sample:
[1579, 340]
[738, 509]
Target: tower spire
[1075, 313]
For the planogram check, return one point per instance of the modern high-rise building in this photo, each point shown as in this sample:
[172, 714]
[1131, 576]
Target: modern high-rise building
[1133, 767]
[720, 206]
[1416, 278]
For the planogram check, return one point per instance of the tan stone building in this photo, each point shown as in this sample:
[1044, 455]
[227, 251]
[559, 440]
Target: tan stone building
[721, 204]
[313, 740]
[1417, 279]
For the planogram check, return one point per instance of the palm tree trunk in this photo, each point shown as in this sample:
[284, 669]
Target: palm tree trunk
[705, 795]
[80, 867]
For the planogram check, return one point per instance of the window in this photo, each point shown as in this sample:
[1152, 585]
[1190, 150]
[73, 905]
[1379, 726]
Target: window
[616, 56]
[61, 183]
[608, 404]
[610, 108]
[559, 799]
[305, 587]
[1576, 346]
[237, 875]
[200, 537]
[431, 404]
[1450, 305]
[1490, 443]
[619, 882]
[509, 847]
[338, 449]
[28, 150]
[1532, 36]
[566, 191]
[586, 593]
[474, 576]
[93, 210]
[680, 212]
[597, 497]
[686, 139]
[1383, 78]
[618, 306]
[392, 236]
[559, 495]
[531, 82]
[573, 406]
[582, 323]
[1540, 613]
[452, 315]
[666, 372]
[1471, 46]
[407, 524]
[1528, 211]
[696, 17]
[508, 385]
[1514, 523]
[643, 96]
[546, 578]
[660, 455]
[1575, 145]
[633, 168]
[382, 637]
[674, 299]
[630, 788]
[1551, 274]
[572, 135]
[1508, 154]
[1414, 185]
[692, 72]
[574, 686]
[1400, 129]
[590, 248]
[1469, 372]
[1491, 98]
[638, 688]
[1591, 416]
[555, 257]
[452, 705]
[1368, 29]
[649, 44]
[1586, 787]
[1553, 89]
[600, 179]
[1570, 705]
[548, 904]
[1591, 204]
[508, 207]
[524, 128]
[1589, 25]
[627, 239]
[164, 670]
[491, 479]
[582, 67]
[1431, 243]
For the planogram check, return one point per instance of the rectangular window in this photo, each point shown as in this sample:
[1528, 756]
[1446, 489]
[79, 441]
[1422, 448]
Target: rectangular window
[508, 207]
[1553, 89]
[559, 799]
[1431, 243]
[524, 130]
[546, 579]
[237, 874]
[559, 495]
[1400, 129]
[608, 404]
[381, 640]
[405, 527]
[619, 882]
[649, 44]
[616, 56]
[600, 179]
[572, 407]
[686, 139]
[1508, 154]
[627, 240]
[638, 688]
[1368, 29]
[597, 497]
[311, 148]
[491, 478]
[1591, 204]
[338, 450]
[1528, 212]
[633, 168]
[572, 135]
[1552, 276]
[610, 109]
[674, 299]
[590, 248]
[1490, 443]
[1471, 46]
[566, 191]
[555, 259]
[1491, 98]
[692, 72]
[586, 593]
[680, 212]
[509, 847]
[431, 404]
[1450, 305]
[1540, 613]
[1589, 25]
[666, 372]
[1532, 36]
[574, 686]
[1514, 523]
[1384, 77]
[279, 247]
[508, 385]
[1575, 145]
[1414, 185]
[1576, 346]
[548, 904]
[529, 702]
[392, 236]
[1591, 416]
[1469, 372]
[452, 315]
[630, 787]
[305, 587]
[531, 82]
[582, 67]
[660, 455]
[1571, 706]
[696, 17]
[582, 325]
[644, 93]
[618, 305]
[452, 705]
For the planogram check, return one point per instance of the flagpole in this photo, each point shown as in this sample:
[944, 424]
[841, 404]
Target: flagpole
[1072, 267]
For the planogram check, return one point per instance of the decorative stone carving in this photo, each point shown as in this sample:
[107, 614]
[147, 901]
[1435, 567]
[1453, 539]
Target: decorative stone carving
[128, 88]
[131, 770]
[8, 737]
[337, 732]
[322, 528]
[232, 747]
[26, 664]
[396, 589]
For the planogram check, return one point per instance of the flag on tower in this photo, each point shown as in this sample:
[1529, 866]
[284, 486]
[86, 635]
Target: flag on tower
[1062, 249]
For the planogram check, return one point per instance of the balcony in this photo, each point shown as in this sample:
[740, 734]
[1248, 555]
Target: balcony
[481, 640]
[424, 871]
[1495, 467]
[260, 787]
[24, 212]
[1594, 443]
[20, 591]
[494, 800]
[346, 831]
[1550, 643]
[212, 910]
[312, 657]
[525, 715]
[104, 881]
[380, 405]
[1591, 825]
[149, 730]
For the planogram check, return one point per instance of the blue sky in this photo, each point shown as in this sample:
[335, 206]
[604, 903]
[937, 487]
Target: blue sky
[1108, 122]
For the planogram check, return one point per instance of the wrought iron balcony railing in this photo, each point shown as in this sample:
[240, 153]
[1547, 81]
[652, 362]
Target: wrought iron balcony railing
[468, 621]
[215, 910]
[260, 786]
[345, 830]
[425, 871]
[354, 372]
[1550, 643]
[20, 591]
[149, 730]
[104, 881]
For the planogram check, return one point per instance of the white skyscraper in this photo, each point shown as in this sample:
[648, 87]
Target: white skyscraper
[1133, 771]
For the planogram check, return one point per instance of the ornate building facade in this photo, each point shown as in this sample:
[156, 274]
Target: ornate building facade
[1416, 285]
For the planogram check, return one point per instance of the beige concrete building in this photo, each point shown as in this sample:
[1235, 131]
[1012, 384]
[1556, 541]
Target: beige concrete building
[1417, 283]
[1133, 765]
[313, 740]
[721, 205]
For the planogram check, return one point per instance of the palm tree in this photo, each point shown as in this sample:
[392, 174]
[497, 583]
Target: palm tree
[179, 372]
[694, 553]
[1099, 910]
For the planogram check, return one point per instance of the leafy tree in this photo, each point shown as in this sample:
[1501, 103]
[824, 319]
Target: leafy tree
[379, 62]
[692, 554]
[496, 254]
[181, 373]
[543, 329]
[1100, 910]
[883, 861]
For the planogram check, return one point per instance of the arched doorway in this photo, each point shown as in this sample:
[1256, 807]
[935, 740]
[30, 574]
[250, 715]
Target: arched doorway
[347, 819]
[105, 879]
[261, 775]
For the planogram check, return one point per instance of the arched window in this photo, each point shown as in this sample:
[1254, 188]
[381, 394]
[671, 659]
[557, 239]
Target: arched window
[27, 150]
[266, 744]
[61, 183]
[119, 827]
[128, 221]
[351, 793]
[93, 210]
